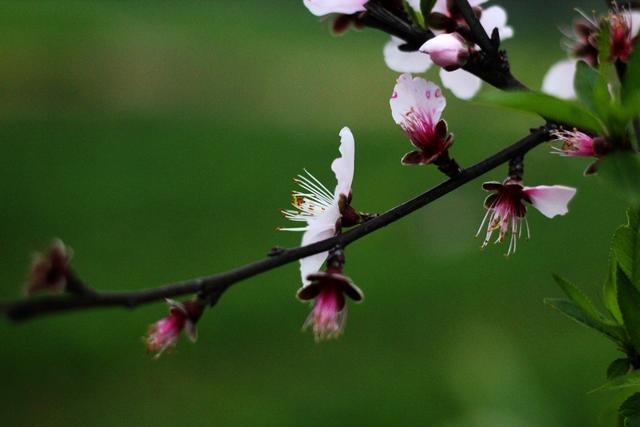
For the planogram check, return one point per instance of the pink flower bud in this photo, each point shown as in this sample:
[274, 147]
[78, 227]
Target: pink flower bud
[165, 332]
[449, 51]
[329, 313]
[49, 271]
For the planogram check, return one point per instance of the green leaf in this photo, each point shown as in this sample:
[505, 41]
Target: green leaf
[426, 6]
[631, 83]
[629, 303]
[585, 83]
[620, 171]
[568, 112]
[626, 246]
[630, 410]
[574, 312]
[618, 368]
[609, 290]
[632, 379]
[577, 296]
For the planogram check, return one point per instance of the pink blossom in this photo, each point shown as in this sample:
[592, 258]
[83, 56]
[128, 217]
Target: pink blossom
[326, 7]
[506, 211]
[583, 45]
[165, 332]
[416, 105]
[450, 51]
[329, 312]
[574, 144]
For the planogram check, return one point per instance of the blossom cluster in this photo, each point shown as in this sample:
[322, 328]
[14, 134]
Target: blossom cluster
[417, 107]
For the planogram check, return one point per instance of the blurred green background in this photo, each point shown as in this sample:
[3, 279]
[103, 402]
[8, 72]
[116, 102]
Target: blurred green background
[159, 139]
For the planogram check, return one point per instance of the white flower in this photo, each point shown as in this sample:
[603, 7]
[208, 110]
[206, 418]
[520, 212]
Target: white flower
[416, 105]
[318, 207]
[326, 7]
[464, 85]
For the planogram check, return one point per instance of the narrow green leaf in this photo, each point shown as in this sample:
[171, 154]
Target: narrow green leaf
[629, 303]
[609, 290]
[601, 89]
[572, 311]
[568, 112]
[632, 379]
[626, 246]
[618, 368]
[426, 6]
[415, 15]
[576, 295]
[585, 83]
[620, 171]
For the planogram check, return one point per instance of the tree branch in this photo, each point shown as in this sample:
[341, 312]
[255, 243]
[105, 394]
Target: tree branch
[212, 287]
[480, 36]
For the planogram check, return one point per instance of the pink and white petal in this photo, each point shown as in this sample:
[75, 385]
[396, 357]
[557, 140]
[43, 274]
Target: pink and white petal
[464, 85]
[550, 200]
[343, 167]
[635, 22]
[325, 7]
[404, 62]
[496, 17]
[559, 79]
[412, 94]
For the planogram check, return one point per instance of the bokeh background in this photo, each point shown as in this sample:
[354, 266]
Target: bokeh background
[159, 139]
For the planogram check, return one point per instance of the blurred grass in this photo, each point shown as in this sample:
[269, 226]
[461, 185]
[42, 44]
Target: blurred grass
[159, 140]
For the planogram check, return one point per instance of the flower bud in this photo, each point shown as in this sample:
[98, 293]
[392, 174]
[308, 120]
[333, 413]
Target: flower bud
[449, 51]
[49, 271]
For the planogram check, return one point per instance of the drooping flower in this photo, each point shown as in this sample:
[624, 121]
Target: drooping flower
[324, 212]
[49, 270]
[416, 105]
[329, 289]
[164, 334]
[583, 45]
[574, 144]
[450, 51]
[462, 84]
[506, 210]
[326, 7]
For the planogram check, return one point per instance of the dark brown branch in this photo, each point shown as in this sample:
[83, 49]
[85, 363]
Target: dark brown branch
[212, 287]
[480, 36]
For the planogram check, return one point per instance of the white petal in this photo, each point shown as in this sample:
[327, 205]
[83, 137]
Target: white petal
[464, 85]
[318, 231]
[404, 62]
[441, 7]
[343, 167]
[550, 200]
[635, 22]
[416, 94]
[325, 7]
[496, 17]
[559, 79]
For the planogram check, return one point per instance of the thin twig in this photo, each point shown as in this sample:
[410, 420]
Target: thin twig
[212, 287]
